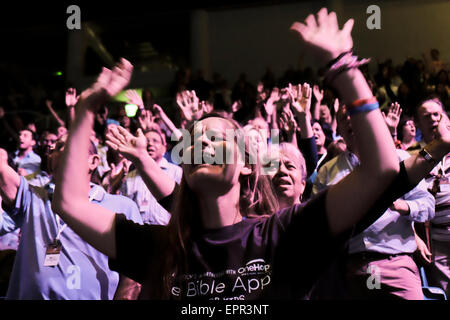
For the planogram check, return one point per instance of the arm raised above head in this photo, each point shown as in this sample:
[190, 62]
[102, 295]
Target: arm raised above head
[350, 199]
[93, 223]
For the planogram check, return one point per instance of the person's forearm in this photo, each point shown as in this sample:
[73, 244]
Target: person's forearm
[74, 166]
[55, 115]
[418, 167]
[317, 110]
[376, 149]
[304, 124]
[309, 150]
[71, 116]
[175, 131]
[156, 180]
[274, 121]
[71, 197]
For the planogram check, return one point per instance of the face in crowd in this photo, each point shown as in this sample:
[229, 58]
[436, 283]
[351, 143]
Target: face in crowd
[49, 142]
[156, 145]
[409, 130]
[319, 135]
[26, 140]
[290, 179]
[216, 177]
[428, 116]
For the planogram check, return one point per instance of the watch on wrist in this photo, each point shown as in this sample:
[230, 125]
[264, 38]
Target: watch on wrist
[427, 156]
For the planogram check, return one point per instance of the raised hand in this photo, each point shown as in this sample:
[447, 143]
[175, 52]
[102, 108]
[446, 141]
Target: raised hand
[318, 93]
[287, 122]
[145, 118]
[71, 97]
[3, 158]
[134, 98]
[393, 117]
[300, 98]
[322, 35]
[270, 104]
[109, 83]
[157, 110]
[129, 146]
[189, 105]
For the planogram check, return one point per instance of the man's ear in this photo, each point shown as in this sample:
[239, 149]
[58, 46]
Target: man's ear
[93, 162]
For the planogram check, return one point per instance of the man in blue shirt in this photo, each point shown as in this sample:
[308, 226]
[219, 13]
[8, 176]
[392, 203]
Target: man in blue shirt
[380, 264]
[26, 160]
[52, 261]
[134, 187]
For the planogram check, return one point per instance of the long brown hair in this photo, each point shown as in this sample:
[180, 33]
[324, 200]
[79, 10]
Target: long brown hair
[257, 199]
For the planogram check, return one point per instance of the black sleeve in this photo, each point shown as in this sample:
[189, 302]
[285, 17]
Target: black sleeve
[167, 202]
[306, 248]
[309, 150]
[398, 187]
[136, 247]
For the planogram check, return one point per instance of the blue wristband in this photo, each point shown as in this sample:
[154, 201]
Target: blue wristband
[364, 108]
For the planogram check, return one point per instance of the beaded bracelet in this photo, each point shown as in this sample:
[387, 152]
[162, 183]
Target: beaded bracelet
[364, 108]
[346, 62]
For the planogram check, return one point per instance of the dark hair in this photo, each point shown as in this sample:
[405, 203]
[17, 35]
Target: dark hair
[403, 120]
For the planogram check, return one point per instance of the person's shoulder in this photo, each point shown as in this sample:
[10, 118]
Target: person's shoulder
[169, 165]
[132, 175]
[120, 200]
[402, 154]
[34, 155]
[327, 166]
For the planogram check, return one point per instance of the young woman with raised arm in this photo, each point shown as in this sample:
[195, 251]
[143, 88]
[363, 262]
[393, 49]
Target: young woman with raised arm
[214, 247]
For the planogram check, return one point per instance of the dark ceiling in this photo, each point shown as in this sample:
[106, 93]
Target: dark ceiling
[34, 34]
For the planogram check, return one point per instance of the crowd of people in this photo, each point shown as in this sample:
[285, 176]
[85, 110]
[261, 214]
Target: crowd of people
[328, 181]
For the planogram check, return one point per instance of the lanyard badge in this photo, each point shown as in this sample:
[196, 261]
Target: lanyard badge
[52, 254]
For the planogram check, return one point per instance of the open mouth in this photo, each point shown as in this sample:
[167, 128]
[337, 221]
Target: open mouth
[283, 181]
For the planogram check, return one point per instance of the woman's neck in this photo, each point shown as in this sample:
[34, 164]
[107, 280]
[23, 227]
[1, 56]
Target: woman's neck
[220, 210]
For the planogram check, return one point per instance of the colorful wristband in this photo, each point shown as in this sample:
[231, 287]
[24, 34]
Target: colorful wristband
[364, 108]
[361, 102]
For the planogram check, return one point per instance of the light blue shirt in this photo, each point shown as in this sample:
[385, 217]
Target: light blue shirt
[31, 162]
[392, 233]
[39, 178]
[134, 188]
[82, 272]
[9, 232]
